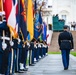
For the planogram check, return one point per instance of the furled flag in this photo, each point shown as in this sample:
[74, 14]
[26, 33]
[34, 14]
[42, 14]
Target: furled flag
[30, 25]
[44, 31]
[38, 24]
[10, 12]
[22, 19]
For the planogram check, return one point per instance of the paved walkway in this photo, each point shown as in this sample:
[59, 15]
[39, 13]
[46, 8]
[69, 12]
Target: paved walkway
[51, 65]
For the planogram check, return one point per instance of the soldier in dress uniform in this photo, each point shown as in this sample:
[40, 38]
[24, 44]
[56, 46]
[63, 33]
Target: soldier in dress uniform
[5, 67]
[23, 55]
[1, 34]
[41, 49]
[36, 53]
[5, 46]
[65, 41]
[27, 46]
[31, 53]
[46, 48]
[20, 47]
[14, 49]
[38, 50]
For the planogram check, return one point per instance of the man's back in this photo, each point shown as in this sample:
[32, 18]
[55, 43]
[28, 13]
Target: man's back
[65, 39]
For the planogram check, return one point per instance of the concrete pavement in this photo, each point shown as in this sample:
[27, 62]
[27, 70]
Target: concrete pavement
[51, 65]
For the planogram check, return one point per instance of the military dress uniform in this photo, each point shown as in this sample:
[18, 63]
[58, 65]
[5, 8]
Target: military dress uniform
[5, 67]
[31, 53]
[44, 49]
[20, 47]
[35, 52]
[23, 58]
[27, 45]
[1, 53]
[65, 41]
[41, 49]
[4, 46]
[24, 54]
[14, 55]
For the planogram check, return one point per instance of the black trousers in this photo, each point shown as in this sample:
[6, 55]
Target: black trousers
[5, 60]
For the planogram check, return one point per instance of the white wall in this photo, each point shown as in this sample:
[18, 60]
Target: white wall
[49, 33]
[65, 7]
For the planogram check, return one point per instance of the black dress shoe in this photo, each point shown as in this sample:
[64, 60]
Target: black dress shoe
[21, 71]
[65, 68]
[16, 71]
[26, 69]
[31, 64]
[11, 74]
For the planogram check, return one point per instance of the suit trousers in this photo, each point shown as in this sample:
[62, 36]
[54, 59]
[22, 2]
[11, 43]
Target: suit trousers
[65, 58]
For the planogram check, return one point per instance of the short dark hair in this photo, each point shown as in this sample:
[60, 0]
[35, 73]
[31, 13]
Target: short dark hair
[65, 26]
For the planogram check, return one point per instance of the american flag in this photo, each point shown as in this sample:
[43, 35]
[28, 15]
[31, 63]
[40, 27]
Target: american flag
[10, 12]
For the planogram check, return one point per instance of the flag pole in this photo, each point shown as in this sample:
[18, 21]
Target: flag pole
[3, 36]
[12, 53]
[1, 5]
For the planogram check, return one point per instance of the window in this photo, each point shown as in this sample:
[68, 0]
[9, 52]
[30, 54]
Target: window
[64, 17]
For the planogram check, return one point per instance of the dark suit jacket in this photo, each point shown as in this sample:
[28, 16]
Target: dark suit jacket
[65, 41]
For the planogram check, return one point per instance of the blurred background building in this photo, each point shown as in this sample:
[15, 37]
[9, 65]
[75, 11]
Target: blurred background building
[66, 9]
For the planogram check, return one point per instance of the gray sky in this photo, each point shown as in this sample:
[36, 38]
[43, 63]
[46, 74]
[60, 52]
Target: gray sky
[49, 2]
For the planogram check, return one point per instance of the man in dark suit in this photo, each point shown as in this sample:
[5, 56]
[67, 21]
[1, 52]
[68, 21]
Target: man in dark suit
[65, 41]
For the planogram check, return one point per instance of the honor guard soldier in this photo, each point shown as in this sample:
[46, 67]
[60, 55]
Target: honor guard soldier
[27, 45]
[6, 52]
[20, 47]
[65, 41]
[38, 50]
[41, 49]
[23, 55]
[14, 49]
[46, 48]
[35, 51]
[31, 53]
[5, 46]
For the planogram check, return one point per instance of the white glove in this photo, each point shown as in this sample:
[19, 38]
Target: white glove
[45, 46]
[39, 45]
[35, 46]
[4, 45]
[11, 43]
[28, 44]
[19, 40]
[72, 49]
[23, 46]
